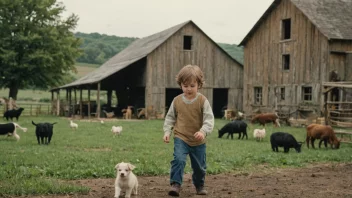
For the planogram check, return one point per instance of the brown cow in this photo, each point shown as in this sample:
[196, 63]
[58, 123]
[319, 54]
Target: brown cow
[322, 132]
[266, 118]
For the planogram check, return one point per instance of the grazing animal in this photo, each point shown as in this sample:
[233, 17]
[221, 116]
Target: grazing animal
[101, 121]
[73, 125]
[125, 180]
[14, 113]
[259, 134]
[44, 132]
[116, 130]
[236, 126]
[264, 118]
[9, 129]
[286, 140]
[324, 133]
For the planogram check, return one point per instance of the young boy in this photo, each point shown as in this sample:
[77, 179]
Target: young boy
[191, 118]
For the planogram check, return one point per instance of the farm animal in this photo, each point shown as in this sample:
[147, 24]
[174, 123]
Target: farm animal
[109, 114]
[73, 125]
[236, 126]
[286, 140]
[259, 134]
[324, 133]
[141, 112]
[125, 180]
[14, 113]
[44, 132]
[116, 130]
[9, 129]
[101, 121]
[264, 118]
[128, 114]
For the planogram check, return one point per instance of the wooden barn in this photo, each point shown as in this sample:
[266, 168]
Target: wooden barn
[292, 50]
[143, 74]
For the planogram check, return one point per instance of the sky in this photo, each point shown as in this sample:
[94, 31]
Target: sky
[224, 21]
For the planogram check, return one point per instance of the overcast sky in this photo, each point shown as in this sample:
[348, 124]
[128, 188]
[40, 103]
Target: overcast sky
[225, 21]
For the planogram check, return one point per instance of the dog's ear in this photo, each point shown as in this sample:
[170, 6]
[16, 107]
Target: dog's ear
[131, 167]
[117, 166]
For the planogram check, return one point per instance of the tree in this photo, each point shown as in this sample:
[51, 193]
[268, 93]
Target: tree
[37, 47]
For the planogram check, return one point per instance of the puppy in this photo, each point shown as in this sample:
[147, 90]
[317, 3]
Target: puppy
[125, 180]
[116, 130]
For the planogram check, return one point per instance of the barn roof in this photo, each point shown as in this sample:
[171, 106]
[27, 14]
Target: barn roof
[137, 50]
[333, 18]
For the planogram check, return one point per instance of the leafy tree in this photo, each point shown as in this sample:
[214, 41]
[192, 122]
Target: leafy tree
[37, 46]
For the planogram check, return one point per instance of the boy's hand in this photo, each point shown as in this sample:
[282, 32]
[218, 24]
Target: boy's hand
[166, 138]
[199, 136]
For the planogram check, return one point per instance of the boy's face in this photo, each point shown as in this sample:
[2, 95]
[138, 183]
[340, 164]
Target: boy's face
[190, 89]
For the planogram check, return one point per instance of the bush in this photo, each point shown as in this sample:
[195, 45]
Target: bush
[44, 100]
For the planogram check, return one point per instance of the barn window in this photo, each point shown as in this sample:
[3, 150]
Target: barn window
[282, 93]
[307, 93]
[286, 29]
[258, 92]
[187, 42]
[286, 62]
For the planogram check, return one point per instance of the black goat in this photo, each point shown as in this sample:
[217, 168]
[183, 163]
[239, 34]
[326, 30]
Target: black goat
[286, 140]
[14, 113]
[44, 132]
[236, 126]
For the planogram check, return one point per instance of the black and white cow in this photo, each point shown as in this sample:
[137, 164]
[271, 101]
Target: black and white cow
[9, 129]
[236, 126]
[286, 140]
[44, 132]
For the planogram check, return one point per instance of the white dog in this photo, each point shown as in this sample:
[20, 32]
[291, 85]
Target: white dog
[125, 180]
[116, 130]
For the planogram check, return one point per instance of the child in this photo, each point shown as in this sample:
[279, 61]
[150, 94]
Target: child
[191, 118]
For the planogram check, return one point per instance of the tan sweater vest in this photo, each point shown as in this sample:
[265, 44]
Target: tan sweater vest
[189, 119]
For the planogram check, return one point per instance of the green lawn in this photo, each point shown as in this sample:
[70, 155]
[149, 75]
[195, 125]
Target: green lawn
[92, 152]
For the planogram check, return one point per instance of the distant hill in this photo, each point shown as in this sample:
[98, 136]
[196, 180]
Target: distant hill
[98, 48]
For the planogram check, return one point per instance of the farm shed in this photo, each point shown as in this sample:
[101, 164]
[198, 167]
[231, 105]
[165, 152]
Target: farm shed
[294, 48]
[143, 74]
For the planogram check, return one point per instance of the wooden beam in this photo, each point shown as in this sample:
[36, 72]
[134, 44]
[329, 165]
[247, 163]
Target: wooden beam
[80, 103]
[88, 102]
[58, 103]
[98, 101]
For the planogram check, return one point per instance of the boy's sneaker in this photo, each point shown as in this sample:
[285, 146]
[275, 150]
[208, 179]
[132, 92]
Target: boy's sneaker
[201, 191]
[175, 190]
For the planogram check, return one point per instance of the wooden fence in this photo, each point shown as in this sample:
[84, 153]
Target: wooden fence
[32, 109]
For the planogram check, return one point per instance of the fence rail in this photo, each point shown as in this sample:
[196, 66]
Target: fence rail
[32, 109]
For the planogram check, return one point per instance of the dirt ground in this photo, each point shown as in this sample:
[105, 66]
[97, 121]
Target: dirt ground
[315, 181]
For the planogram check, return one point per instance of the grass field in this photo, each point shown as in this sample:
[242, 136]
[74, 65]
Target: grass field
[92, 152]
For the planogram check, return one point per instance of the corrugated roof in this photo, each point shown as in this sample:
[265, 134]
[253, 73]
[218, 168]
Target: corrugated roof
[333, 18]
[135, 51]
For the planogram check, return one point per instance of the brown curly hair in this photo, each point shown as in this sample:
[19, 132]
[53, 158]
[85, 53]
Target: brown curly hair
[189, 73]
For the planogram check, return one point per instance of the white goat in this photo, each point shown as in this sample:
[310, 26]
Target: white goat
[73, 125]
[259, 134]
[116, 130]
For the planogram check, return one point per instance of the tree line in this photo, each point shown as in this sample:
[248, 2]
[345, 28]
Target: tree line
[98, 48]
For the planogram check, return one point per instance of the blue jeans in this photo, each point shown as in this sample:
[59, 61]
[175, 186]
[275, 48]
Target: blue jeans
[197, 155]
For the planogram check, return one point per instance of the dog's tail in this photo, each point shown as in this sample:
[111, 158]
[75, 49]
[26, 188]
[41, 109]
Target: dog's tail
[18, 126]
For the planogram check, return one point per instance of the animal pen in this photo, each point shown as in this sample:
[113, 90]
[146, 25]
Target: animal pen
[338, 107]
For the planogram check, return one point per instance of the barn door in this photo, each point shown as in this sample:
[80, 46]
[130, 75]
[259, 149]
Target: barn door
[220, 99]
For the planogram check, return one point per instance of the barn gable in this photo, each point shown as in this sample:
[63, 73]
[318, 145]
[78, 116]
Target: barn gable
[292, 49]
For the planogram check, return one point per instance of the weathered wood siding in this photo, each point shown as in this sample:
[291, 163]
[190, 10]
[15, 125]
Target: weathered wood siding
[310, 59]
[220, 70]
